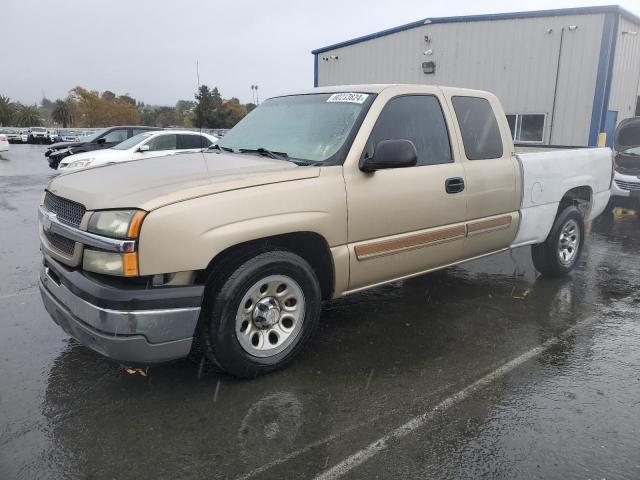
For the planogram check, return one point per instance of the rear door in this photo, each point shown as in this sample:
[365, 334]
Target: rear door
[491, 172]
[403, 221]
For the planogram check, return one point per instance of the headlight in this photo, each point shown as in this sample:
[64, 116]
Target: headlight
[117, 223]
[121, 264]
[79, 163]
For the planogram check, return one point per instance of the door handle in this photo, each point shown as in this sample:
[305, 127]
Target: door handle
[454, 185]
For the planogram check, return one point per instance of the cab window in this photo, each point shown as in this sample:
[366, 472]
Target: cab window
[417, 118]
[479, 127]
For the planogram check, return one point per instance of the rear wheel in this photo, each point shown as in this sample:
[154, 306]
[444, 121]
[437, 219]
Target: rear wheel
[259, 318]
[560, 252]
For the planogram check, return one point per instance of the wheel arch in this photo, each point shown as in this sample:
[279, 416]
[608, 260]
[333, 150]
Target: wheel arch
[309, 245]
[581, 197]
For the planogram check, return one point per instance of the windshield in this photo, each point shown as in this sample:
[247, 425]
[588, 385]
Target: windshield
[305, 127]
[93, 136]
[38, 129]
[132, 142]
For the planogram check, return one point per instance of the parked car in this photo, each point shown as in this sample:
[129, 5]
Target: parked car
[4, 143]
[24, 136]
[38, 135]
[70, 136]
[144, 145]
[53, 136]
[13, 135]
[105, 138]
[311, 196]
[625, 191]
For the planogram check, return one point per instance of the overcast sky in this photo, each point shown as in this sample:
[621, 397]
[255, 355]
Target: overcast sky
[149, 48]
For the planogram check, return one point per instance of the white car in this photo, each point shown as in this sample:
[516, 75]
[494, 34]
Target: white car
[4, 143]
[156, 143]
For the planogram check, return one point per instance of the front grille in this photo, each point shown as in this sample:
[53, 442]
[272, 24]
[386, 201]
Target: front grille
[628, 185]
[67, 211]
[60, 243]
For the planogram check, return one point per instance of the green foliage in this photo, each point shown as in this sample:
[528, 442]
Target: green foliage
[211, 111]
[26, 116]
[7, 109]
[90, 108]
[63, 112]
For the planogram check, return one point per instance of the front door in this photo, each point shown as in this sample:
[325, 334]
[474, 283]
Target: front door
[403, 221]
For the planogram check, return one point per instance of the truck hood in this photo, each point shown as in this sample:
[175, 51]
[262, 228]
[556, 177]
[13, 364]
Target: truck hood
[152, 183]
[627, 137]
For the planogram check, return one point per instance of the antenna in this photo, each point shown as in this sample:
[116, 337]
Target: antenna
[199, 109]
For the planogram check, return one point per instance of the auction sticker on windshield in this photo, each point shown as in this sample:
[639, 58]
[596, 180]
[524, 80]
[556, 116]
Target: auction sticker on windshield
[348, 97]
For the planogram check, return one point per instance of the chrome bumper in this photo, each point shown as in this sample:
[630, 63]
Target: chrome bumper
[128, 336]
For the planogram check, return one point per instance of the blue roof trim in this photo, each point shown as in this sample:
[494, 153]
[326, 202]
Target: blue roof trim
[315, 70]
[603, 78]
[615, 9]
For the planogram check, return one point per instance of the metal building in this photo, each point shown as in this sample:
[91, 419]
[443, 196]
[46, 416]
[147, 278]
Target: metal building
[563, 76]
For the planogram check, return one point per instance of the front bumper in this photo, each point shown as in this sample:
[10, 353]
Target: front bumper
[131, 326]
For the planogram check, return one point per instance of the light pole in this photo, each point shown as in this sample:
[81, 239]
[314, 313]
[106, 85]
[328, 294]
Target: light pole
[255, 98]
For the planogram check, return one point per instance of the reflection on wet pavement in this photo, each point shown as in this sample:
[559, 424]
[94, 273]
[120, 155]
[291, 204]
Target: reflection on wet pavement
[378, 359]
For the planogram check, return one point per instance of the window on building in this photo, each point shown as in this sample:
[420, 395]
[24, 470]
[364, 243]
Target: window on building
[527, 127]
[417, 118]
[479, 128]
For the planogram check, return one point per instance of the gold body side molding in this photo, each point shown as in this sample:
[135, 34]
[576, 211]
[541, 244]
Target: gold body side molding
[409, 241]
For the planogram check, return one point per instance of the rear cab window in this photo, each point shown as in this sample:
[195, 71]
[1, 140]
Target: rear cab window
[479, 128]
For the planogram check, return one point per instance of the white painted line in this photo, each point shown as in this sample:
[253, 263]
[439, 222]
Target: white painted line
[12, 295]
[402, 431]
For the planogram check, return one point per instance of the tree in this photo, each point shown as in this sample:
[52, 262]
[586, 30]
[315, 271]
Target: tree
[250, 106]
[205, 111]
[232, 112]
[95, 110]
[63, 112]
[166, 116]
[27, 116]
[7, 110]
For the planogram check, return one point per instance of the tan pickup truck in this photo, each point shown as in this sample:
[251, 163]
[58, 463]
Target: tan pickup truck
[311, 197]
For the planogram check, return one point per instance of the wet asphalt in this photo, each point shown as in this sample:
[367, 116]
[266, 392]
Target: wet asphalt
[479, 371]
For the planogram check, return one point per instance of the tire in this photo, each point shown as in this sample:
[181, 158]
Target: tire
[552, 259]
[237, 310]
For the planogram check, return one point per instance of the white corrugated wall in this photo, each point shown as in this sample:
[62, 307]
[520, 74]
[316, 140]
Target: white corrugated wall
[517, 59]
[625, 87]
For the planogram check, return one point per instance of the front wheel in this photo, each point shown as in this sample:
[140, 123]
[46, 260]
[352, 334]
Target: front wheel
[560, 252]
[259, 318]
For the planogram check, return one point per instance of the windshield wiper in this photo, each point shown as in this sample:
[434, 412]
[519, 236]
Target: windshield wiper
[266, 153]
[221, 148]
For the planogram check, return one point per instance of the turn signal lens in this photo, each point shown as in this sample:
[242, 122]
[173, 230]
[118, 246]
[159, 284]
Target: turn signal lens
[136, 223]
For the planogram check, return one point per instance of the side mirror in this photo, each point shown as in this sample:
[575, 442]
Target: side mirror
[101, 141]
[143, 148]
[391, 154]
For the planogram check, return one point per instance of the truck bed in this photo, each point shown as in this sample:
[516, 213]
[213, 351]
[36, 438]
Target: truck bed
[548, 174]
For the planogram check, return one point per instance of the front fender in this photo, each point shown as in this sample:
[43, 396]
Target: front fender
[188, 235]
